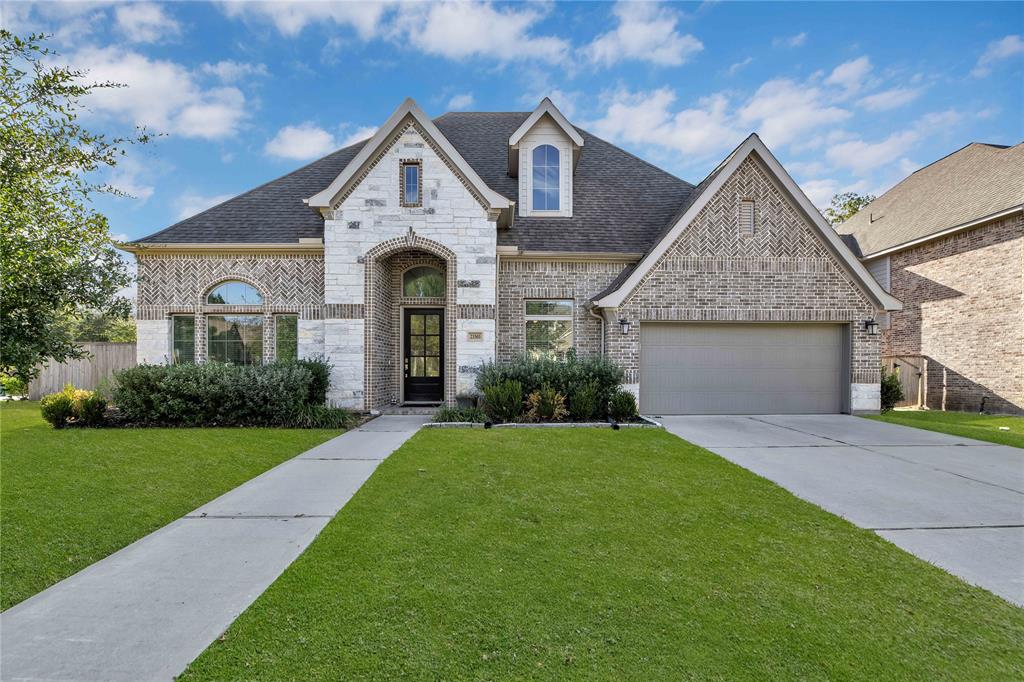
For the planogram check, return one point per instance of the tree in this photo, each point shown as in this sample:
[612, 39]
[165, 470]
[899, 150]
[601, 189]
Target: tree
[93, 326]
[56, 254]
[845, 206]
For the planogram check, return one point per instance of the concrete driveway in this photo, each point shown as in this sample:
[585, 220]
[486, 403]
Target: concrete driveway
[955, 502]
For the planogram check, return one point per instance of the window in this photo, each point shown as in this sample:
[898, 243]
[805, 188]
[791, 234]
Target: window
[287, 341]
[234, 293]
[235, 339]
[748, 218]
[412, 191]
[183, 339]
[545, 178]
[423, 282]
[549, 328]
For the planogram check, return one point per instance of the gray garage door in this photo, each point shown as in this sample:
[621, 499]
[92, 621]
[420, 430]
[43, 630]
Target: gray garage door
[741, 368]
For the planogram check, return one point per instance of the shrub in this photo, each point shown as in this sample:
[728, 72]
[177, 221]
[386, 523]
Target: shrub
[90, 409]
[320, 378]
[567, 377]
[460, 414]
[622, 406]
[547, 404]
[585, 401]
[892, 389]
[213, 394]
[13, 386]
[320, 417]
[58, 408]
[503, 401]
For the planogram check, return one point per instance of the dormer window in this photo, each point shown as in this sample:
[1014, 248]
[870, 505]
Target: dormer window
[545, 178]
[411, 183]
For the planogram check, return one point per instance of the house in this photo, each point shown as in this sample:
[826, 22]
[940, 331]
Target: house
[440, 244]
[948, 241]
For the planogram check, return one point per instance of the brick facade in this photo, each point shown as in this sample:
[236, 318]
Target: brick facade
[783, 273]
[963, 309]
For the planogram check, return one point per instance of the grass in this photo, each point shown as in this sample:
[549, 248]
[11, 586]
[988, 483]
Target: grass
[592, 554]
[69, 498]
[966, 424]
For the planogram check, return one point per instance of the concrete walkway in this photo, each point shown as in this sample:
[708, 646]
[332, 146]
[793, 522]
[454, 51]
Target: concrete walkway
[955, 502]
[145, 612]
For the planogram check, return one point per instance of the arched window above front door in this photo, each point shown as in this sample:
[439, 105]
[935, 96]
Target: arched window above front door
[234, 293]
[423, 282]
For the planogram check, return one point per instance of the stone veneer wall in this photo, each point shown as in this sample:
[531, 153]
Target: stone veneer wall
[963, 309]
[580, 281]
[451, 219]
[178, 283]
[783, 273]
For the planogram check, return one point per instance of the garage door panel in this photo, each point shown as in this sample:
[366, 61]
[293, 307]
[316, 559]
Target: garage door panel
[692, 368]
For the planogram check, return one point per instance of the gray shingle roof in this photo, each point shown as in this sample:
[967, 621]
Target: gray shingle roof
[976, 181]
[620, 202]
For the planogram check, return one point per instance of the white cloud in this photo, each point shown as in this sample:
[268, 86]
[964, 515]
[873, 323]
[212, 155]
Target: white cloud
[997, 51]
[861, 157]
[781, 111]
[460, 102]
[645, 32]
[231, 71]
[850, 75]
[739, 65]
[291, 17]
[301, 142]
[820, 192]
[647, 118]
[190, 203]
[790, 41]
[360, 134]
[889, 99]
[128, 177]
[159, 94]
[145, 22]
[456, 30]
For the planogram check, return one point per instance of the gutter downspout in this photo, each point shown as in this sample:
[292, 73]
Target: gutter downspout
[601, 319]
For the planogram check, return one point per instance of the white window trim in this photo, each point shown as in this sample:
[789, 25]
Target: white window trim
[571, 317]
[529, 188]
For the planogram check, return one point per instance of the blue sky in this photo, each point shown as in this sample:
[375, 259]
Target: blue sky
[850, 96]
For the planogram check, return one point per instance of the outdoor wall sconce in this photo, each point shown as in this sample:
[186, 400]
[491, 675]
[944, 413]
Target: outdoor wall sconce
[624, 324]
[871, 327]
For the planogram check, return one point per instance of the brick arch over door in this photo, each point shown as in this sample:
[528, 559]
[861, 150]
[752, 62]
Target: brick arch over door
[375, 287]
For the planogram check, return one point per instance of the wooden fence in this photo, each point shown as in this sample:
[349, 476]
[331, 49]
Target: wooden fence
[104, 359]
[911, 370]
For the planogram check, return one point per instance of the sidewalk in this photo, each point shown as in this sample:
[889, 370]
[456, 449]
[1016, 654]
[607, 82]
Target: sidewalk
[145, 612]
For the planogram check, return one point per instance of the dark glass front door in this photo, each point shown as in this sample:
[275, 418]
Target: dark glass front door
[424, 354]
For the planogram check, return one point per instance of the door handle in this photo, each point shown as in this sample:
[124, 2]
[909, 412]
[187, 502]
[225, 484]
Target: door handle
[407, 367]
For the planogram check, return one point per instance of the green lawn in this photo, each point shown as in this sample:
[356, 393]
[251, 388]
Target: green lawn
[966, 424]
[583, 554]
[69, 498]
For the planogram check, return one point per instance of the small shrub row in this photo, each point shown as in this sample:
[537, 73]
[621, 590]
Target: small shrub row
[545, 389]
[460, 414]
[216, 394]
[75, 407]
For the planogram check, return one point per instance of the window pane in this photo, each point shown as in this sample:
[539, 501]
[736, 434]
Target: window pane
[433, 367]
[235, 293]
[416, 345]
[549, 308]
[417, 367]
[539, 199]
[416, 324]
[433, 345]
[551, 338]
[237, 339]
[411, 189]
[183, 338]
[545, 178]
[551, 200]
[423, 282]
[433, 324]
[287, 337]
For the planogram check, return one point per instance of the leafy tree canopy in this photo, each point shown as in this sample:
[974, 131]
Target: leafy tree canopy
[845, 206]
[56, 254]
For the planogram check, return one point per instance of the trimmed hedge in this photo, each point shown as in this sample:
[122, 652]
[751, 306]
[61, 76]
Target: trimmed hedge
[215, 394]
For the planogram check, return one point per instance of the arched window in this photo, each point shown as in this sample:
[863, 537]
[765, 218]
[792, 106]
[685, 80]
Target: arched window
[423, 282]
[545, 178]
[234, 293]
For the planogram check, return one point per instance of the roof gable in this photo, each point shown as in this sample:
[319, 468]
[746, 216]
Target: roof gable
[614, 297]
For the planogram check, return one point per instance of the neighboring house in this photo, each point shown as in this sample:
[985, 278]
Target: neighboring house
[437, 245]
[948, 242]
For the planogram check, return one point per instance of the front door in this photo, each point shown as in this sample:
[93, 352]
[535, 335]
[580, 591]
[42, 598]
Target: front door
[424, 355]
